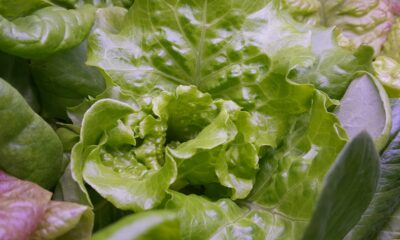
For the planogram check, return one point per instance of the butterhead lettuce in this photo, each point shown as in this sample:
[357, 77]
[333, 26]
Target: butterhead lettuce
[199, 119]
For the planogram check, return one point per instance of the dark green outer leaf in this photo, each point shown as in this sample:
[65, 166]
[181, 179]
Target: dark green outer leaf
[64, 80]
[349, 188]
[29, 148]
[387, 197]
[16, 71]
[46, 31]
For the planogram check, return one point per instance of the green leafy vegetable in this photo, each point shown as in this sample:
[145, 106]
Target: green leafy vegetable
[360, 22]
[15, 71]
[161, 224]
[105, 158]
[45, 31]
[29, 148]
[347, 192]
[64, 80]
[206, 119]
[387, 72]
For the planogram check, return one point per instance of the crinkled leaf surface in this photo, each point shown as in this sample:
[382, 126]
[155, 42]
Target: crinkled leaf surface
[45, 31]
[290, 178]
[29, 148]
[391, 46]
[221, 140]
[361, 22]
[124, 145]
[388, 73]
[230, 52]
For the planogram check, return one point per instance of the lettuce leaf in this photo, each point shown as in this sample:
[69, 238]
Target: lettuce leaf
[64, 80]
[29, 148]
[27, 213]
[45, 31]
[126, 144]
[156, 224]
[359, 22]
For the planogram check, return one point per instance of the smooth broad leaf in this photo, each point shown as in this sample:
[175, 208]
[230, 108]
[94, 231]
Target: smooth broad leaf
[45, 31]
[16, 71]
[365, 106]
[29, 148]
[64, 80]
[22, 206]
[65, 221]
[149, 225]
[386, 198]
[348, 189]
[117, 144]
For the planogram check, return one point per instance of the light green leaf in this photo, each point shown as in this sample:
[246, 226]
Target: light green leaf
[360, 22]
[215, 61]
[365, 106]
[391, 47]
[335, 67]
[29, 148]
[290, 178]
[388, 73]
[201, 218]
[347, 192]
[45, 31]
[156, 224]
[125, 144]
[223, 152]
